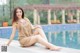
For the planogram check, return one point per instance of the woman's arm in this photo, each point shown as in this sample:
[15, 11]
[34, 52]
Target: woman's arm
[13, 34]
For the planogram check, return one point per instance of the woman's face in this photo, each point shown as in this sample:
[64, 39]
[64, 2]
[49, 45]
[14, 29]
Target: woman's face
[19, 13]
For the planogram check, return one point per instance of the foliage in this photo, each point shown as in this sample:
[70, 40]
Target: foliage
[5, 19]
[10, 22]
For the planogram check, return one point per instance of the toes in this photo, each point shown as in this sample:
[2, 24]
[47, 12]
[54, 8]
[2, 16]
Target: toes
[47, 48]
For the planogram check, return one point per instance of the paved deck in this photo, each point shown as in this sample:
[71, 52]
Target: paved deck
[16, 48]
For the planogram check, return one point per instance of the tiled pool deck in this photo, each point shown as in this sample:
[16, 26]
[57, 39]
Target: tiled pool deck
[16, 48]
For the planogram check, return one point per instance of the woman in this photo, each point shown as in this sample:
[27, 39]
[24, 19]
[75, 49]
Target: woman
[28, 34]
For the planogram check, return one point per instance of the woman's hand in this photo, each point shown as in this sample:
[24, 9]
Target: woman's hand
[37, 26]
[7, 44]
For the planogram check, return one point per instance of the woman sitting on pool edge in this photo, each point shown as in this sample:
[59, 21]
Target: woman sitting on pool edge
[28, 34]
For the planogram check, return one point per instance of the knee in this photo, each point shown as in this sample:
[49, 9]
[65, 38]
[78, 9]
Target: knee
[38, 26]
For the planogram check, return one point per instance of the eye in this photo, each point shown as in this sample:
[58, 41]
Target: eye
[20, 11]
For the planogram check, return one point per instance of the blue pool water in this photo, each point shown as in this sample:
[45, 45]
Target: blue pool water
[65, 35]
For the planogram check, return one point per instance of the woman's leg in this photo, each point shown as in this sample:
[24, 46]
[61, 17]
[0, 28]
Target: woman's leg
[39, 39]
[41, 32]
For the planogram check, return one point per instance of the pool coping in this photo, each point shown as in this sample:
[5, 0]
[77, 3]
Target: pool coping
[15, 48]
[56, 27]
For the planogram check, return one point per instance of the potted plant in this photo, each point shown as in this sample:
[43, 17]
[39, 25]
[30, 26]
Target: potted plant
[5, 22]
[10, 22]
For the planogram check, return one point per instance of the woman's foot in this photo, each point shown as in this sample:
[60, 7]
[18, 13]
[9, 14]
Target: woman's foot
[55, 48]
[47, 48]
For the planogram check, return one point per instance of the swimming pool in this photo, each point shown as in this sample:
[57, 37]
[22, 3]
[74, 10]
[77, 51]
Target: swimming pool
[65, 35]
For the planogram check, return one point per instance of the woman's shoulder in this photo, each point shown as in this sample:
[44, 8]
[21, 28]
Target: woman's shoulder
[26, 18]
[14, 23]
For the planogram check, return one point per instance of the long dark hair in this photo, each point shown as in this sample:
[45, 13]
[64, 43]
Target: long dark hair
[15, 18]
